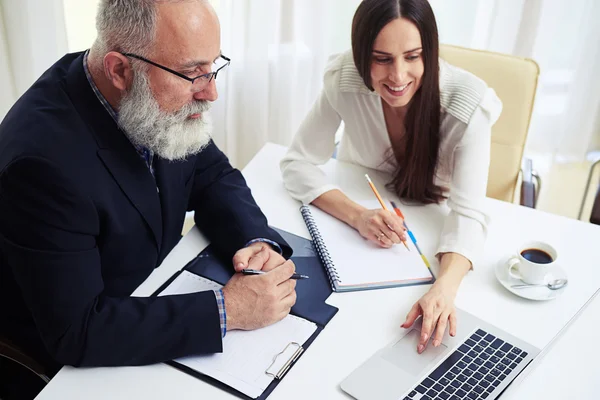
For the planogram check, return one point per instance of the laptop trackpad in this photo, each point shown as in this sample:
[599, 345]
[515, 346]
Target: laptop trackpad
[403, 354]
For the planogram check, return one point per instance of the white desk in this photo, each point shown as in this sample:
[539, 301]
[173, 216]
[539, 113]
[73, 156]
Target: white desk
[369, 320]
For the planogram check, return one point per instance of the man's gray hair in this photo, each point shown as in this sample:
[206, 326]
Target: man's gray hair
[127, 25]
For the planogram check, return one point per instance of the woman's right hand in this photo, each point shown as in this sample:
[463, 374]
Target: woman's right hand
[380, 226]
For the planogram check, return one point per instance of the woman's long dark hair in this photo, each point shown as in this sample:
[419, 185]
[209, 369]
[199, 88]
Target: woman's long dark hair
[417, 153]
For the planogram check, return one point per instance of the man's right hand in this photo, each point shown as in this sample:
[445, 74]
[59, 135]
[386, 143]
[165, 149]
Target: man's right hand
[256, 301]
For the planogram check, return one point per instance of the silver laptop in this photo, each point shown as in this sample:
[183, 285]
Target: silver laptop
[478, 363]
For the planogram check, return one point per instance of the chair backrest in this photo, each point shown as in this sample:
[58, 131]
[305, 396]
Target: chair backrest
[13, 353]
[595, 216]
[515, 81]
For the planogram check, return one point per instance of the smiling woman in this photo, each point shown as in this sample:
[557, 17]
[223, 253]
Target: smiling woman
[395, 59]
[424, 122]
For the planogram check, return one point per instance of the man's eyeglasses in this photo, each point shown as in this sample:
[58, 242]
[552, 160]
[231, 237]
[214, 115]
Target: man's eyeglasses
[201, 80]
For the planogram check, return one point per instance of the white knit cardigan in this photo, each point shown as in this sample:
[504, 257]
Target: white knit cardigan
[469, 109]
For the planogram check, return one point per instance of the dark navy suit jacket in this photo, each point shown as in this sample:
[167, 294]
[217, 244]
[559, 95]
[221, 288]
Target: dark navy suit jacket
[82, 224]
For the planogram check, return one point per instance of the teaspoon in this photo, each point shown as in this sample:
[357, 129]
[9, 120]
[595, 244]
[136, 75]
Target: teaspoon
[552, 285]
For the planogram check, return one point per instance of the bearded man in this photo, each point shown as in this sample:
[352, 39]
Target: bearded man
[99, 161]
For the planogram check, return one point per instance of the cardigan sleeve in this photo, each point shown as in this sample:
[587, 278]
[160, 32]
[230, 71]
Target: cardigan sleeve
[465, 228]
[313, 145]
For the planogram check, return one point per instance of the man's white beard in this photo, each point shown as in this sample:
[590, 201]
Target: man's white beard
[172, 136]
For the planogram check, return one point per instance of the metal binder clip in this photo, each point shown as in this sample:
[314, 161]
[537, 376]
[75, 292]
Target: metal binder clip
[288, 363]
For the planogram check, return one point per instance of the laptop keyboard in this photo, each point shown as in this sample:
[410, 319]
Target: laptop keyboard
[472, 372]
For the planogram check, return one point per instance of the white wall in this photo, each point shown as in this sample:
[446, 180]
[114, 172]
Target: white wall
[455, 20]
[80, 22]
[36, 36]
[80, 16]
[7, 88]
[32, 38]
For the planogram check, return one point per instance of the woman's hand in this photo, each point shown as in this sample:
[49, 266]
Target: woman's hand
[379, 226]
[382, 227]
[437, 305]
[437, 309]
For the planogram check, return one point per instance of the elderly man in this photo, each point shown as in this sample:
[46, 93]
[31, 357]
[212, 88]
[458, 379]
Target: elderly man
[100, 159]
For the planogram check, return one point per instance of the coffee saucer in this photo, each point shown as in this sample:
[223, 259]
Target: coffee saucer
[533, 292]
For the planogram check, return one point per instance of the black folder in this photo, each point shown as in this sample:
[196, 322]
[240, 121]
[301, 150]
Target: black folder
[310, 302]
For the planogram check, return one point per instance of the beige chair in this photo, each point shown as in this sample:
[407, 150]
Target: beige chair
[515, 81]
[595, 215]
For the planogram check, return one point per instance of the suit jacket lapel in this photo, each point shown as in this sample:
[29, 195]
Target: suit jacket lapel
[169, 176]
[136, 181]
[116, 151]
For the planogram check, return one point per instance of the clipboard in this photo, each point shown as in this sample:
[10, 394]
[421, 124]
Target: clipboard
[310, 305]
[288, 364]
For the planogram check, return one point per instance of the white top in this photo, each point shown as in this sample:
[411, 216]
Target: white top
[469, 109]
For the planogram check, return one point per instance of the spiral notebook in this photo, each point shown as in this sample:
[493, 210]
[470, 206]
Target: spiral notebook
[353, 263]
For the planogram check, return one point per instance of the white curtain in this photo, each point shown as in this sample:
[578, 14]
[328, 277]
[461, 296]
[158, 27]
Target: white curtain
[32, 38]
[562, 36]
[7, 91]
[279, 49]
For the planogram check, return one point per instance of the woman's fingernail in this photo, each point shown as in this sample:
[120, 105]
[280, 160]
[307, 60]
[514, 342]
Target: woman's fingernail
[420, 348]
[240, 265]
[436, 343]
[424, 337]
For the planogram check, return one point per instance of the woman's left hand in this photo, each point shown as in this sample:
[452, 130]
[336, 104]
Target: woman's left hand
[437, 309]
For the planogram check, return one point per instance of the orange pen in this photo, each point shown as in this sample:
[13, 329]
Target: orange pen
[374, 189]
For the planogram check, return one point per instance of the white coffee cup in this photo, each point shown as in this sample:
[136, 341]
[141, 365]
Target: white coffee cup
[533, 262]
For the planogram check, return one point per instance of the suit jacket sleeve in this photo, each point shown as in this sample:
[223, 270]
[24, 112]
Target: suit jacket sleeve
[49, 232]
[224, 208]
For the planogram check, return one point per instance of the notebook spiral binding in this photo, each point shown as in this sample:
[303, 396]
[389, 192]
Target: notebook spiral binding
[332, 273]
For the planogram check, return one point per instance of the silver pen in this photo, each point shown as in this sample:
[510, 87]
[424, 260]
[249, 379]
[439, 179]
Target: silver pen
[255, 272]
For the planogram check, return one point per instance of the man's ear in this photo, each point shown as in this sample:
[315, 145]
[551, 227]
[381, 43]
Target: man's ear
[118, 70]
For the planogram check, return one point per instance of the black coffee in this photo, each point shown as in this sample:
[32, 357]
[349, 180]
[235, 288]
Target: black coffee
[537, 256]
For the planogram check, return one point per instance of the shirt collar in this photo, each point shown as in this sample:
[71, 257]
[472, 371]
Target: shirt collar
[99, 95]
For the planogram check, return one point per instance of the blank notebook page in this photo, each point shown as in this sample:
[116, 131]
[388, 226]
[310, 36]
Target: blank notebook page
[247, 355]
[361, 262]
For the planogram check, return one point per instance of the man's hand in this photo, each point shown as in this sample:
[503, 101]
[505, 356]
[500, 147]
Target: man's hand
[259, 256]
[256, 301]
